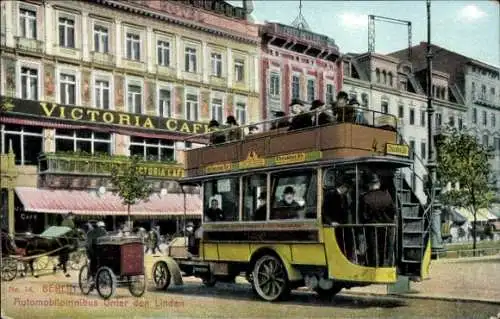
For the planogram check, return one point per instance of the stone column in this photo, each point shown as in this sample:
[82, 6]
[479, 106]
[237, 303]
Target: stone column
[9, 23]
[118, 42]
[49, 143]
[229, 68]
[256, 76]
[179, 55]
[85, 36]
[121, 146]
[205, 58]
[49, 31]
[150, 49]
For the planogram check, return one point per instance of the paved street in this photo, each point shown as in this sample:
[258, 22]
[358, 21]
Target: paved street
[54, 296]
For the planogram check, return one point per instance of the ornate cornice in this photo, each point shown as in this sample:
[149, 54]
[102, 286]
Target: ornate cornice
[184, 22]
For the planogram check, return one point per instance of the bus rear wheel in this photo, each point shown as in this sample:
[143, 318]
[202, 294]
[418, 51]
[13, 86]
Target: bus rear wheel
[270, 280]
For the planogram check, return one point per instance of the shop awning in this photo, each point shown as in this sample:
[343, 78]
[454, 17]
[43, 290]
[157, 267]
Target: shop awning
[91, 204]
[483, 214]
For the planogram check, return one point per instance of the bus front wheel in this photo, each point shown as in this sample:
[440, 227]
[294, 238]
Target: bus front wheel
[328, 293]
[270, 279]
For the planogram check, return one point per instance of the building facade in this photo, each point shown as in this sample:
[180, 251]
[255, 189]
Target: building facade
[108, 79]
[389, 85]
[297, 64]
[475, 83]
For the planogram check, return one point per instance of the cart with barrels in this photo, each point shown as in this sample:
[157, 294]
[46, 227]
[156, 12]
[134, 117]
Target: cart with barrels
[120, 262]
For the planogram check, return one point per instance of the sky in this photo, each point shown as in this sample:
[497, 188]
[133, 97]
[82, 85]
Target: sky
[471, 28]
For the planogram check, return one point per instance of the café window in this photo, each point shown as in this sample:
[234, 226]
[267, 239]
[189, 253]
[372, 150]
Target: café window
[330, 94]
[401, 111]
[217, 110]
[85, 141]
[364, 100]
[101, 89]
[274, 84]
[67, 89]
[27, 142]
[192, 107]
[496, 141]
[485, 118]
[152, 149]
[163, 53]
[493, 120]
[423, 150]
[221, 200]
[384, 107]
[474, 115]
[133, 42]
[460, 123]
[190, 60]
[293, 195]
[29, 83]
[295, 87]
[254, 197]
[27, 23]
[101, 39]
[311, 90]
[239, 70]
[165, 103]
[412, 116]
[486, 140]
[439, 120]
[241, 113]
[134, 99]
[66, 32]
[216, 59]
[422, 118]
[451, 121]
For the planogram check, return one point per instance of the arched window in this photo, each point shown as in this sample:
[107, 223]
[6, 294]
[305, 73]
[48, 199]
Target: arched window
[390, 78]
[377, 75]
[384, 75]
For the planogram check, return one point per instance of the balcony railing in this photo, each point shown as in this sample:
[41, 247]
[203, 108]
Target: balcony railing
[32, 45]
[103, 58]
[102, 165]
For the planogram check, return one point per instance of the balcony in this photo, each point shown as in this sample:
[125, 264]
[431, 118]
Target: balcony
[135, 65]
[218, 80]
[166, 70]
[31, 45]
[72, 53]
[82, 164]
[103, 58]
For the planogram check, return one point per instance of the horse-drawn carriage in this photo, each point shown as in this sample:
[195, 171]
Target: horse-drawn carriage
[120, 261]
[34, 251]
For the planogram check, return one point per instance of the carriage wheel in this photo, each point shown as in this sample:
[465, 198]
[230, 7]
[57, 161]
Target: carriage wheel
[105, 282]
[41, 262]
[270, 280]
[137, 285]
[78, 259]
[86, 285]
[209, 281]
[9, 269]
[161, 275]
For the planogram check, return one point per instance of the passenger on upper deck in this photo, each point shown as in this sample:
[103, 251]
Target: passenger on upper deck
[253, 129]
[322, 115]
[260, 213]
[300, 120]
[235, 133]
[342, 110]
[280, 121]
[216, 137]
[287, 207]
[214, 213]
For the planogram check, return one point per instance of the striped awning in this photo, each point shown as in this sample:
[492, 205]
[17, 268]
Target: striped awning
[90, 203]
[483, 214]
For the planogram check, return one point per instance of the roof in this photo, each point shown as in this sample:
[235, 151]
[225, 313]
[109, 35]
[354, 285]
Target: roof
[85, 203]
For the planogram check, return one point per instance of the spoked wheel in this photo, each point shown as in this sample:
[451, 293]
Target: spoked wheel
[41, 262]
[270, 280]
[105, 282]
[161, 275]
[9, 269]
[137, 285]
[78, 259]
[84, 280]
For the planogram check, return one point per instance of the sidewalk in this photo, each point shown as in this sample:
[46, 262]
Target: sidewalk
[464, 279]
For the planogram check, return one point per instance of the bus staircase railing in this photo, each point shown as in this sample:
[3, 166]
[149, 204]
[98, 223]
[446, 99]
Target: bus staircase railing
[370, 245]
[415, 215]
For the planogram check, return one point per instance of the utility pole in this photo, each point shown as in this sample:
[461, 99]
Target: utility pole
[432, 185]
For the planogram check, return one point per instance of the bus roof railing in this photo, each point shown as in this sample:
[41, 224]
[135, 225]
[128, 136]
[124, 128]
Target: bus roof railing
[336, 115]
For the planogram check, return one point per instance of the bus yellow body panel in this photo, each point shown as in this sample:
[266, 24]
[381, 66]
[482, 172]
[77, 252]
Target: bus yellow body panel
[426, 261]
[308, 254]
[210, 251]
[340, 268]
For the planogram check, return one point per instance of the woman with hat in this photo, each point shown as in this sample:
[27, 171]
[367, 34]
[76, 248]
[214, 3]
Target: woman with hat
[235, 133]
[216, 137]
[280, 121]
[300, 120]
[321, 117]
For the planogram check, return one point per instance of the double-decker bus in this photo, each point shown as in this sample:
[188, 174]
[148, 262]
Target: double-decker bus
[288, 209]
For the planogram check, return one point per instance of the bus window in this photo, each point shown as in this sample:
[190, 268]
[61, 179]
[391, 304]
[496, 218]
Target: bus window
[254, 197]
[294, 195]
[220, 200]
[339, 194]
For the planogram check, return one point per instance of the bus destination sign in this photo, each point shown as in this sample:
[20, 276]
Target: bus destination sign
[397, 149]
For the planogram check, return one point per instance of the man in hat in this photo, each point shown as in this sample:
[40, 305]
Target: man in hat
[342, 110]
[377, 206]
[253, 129]
[214, 213]
[287, 208]
[337, 203]
[321, 117]
[68, 221]
[192, 247]
[280, 121]
[92, 237]
[216, 137]
[261, 212]
[235, 133]
[64, 255]
[301, 120]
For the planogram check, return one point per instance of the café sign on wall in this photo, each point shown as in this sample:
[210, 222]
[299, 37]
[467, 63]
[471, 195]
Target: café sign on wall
[46, 110]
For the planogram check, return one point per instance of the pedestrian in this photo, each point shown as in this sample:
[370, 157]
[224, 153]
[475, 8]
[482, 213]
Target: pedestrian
[92, 237]
[156, 231]
[235, 133]
[64, 253]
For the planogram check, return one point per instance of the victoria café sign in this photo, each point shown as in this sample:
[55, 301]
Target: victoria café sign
[71, 113]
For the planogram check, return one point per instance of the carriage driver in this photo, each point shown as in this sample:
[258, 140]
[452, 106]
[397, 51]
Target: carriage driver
[92, 237]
